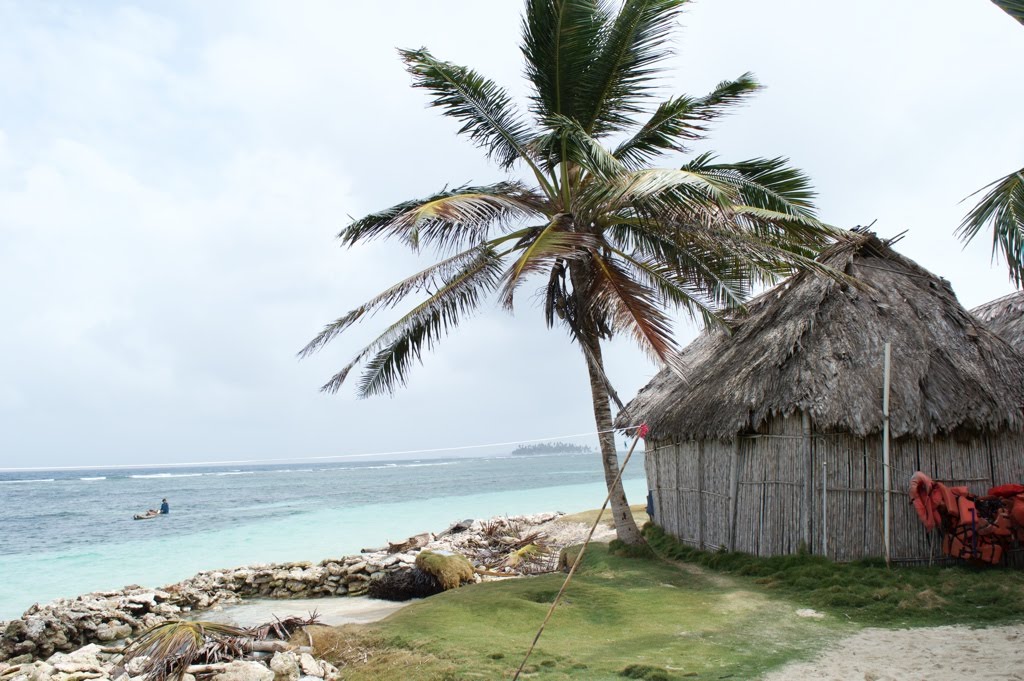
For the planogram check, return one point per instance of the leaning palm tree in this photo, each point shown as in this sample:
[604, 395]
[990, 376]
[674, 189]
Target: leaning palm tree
[615, 244]
[1002, 207]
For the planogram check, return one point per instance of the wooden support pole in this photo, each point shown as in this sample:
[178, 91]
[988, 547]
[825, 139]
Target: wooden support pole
[734, 490]
[886, 478]
[700, 495]
[824, 508]
[807, 452]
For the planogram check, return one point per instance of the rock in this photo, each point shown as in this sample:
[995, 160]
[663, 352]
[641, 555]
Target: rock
[330, 671]
[20, 659]
[41, 672]
[244, 671]
[285, 666]
[309, 666]
[16, 630]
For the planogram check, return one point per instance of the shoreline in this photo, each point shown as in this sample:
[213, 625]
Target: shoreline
[101, 617]
[308, 533]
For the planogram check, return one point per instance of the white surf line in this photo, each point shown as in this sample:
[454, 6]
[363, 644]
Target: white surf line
[304, 458]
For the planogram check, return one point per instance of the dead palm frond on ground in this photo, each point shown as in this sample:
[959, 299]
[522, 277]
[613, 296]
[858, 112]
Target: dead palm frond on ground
[167, 650]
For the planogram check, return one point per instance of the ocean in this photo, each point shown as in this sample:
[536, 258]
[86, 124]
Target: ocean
[71, 532]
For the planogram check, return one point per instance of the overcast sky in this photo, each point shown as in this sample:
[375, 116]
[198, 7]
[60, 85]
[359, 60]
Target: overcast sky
[173, 175]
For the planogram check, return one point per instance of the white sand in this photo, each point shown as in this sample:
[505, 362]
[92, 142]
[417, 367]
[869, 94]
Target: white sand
[936, 654]
[331, 611]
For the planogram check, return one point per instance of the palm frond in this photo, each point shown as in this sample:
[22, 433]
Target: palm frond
[559, 39]
[687, 270]
[486, 111]
[403, 342]
[432, 277]
[450, 218]
[1002, 210]
[660, 190]
[769, 183]
[565, 137]
[553, 243]
[282, 629]
[680, 294]
[632, 307]
[169, 648]
[621, 74]
[1015, 8]
[683, 119]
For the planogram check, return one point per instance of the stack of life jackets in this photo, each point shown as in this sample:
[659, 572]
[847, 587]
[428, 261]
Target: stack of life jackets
[975, 528]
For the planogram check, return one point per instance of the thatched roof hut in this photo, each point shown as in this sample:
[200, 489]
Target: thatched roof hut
[1005, 316]
[784, 414]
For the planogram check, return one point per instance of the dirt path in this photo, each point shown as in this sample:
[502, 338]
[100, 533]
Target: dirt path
[953, 653]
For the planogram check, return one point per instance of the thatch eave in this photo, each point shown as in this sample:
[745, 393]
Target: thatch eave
[815, 344]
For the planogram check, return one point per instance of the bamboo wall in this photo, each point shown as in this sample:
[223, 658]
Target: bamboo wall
[748, 494]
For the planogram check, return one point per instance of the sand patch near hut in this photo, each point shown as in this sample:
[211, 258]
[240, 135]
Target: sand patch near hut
[949, 653]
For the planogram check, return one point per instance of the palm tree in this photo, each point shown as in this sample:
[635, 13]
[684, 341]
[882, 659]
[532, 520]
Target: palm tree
[615, 244]
[1002, 208]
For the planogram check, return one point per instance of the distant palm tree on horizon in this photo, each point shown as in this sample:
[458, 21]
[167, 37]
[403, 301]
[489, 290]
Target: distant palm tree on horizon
[616, 244]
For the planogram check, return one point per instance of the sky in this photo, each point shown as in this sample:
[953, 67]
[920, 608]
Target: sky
[173, 177]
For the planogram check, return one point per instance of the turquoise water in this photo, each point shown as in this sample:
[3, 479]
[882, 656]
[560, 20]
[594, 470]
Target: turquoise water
[71, 533]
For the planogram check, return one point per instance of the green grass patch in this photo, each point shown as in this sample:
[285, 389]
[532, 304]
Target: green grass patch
[866, 592]
[621, 618]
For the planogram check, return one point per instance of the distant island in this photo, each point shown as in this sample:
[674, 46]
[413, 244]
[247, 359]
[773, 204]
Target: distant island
[551, 448]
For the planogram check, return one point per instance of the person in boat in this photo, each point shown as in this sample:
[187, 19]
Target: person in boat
[164, 507]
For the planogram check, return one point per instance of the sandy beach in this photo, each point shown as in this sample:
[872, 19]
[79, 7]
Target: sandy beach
[330, 611]
[933, 654]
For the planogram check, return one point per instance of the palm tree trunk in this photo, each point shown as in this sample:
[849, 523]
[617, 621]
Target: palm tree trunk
[625, 527]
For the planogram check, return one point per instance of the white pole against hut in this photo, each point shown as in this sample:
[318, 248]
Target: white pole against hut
[886, 482]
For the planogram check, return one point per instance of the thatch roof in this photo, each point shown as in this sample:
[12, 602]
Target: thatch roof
[815, 343]
[1005, 316]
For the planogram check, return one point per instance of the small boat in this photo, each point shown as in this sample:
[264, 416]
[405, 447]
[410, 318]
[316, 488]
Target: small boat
[144, 516]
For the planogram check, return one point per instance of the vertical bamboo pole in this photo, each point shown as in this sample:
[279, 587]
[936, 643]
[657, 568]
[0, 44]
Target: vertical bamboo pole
[734, 491]
[824, 508]
[886, 482]
[805, 506]
[700, 495]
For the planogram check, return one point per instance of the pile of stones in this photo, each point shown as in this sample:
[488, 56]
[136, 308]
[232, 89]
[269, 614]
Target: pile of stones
[96, 662]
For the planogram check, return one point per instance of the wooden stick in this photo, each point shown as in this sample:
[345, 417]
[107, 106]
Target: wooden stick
[579, 558]
[886, 482]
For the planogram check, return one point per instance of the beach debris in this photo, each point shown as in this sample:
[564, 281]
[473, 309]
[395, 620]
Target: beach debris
[449, 569]
[403, 585]
[417, 541]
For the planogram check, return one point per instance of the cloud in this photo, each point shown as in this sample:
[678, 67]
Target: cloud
[172, 177]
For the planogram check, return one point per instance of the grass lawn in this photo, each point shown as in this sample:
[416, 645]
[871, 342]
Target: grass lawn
[717, 616]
